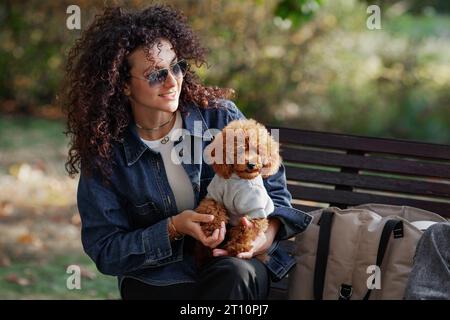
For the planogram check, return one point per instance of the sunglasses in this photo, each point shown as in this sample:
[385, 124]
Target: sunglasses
[158, 77]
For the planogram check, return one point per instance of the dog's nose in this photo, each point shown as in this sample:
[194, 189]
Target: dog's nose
[251, 166]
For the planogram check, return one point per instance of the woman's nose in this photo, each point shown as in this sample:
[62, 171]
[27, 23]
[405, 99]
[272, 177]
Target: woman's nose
[171, 80]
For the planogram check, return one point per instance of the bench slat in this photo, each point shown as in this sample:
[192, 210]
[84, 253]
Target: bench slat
[409, 167]
[370, 182]
[368, 144]
[343, 198]
[346, 156]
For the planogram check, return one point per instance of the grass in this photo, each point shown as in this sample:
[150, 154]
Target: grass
[41, 142]
[32, 140]
[27, 132]
[47, 280]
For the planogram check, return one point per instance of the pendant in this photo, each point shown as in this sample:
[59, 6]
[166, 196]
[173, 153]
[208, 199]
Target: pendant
[165, 140]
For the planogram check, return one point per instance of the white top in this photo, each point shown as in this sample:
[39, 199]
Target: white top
[241, 197]
[176, 175]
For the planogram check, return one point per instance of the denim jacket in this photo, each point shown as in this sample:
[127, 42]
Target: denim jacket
[125, 223]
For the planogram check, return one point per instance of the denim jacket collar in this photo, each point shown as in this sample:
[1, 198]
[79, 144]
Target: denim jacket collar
[193, 122]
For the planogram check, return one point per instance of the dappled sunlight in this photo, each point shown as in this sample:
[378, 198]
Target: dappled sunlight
[38, 213]
[29, 186]
[320, 68]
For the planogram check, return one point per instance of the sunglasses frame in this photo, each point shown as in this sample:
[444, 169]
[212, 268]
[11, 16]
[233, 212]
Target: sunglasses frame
[159, 78]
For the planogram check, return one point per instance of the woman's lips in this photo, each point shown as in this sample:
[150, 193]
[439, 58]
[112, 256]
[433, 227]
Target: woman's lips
[169, 95]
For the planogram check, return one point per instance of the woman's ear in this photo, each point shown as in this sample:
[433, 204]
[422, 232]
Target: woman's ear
[126, 90]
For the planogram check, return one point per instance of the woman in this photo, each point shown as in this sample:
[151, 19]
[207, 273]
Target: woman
[132, 101]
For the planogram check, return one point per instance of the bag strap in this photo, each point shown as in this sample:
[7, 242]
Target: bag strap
[391, 226]
[323, 247]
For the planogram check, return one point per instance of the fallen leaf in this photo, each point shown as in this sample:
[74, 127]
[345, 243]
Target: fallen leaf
[6, 209]
[40, 165]
[29, 239]
[5, 262]
[26, 238]
[85, 273]
[57, 219]
[14, 278]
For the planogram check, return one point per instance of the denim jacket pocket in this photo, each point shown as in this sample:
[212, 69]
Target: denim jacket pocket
[144, 215]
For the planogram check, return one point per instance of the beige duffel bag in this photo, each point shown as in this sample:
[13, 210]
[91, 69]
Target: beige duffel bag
[364, 252]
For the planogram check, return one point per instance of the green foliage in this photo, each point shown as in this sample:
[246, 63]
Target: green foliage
[297, 11]
[301, 63]
[32, 47]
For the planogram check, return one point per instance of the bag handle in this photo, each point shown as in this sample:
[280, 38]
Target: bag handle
[391, 226]
[323, 247]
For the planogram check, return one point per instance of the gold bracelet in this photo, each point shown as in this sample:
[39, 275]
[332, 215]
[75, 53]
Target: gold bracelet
[173, 233]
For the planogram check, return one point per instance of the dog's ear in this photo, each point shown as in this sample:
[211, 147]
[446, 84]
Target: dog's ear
[226, 168]
[218, 159]
[223, 170]
[272, 159]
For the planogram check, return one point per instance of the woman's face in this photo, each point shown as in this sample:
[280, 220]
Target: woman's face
[162, 96]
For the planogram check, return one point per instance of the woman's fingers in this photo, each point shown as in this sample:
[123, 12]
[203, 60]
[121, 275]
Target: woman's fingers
[223, 230]
[246, 223]
[220, 236]
[195, 230]
[220, 252]
[212, 241]
[213, 238]
[199, 217]
[245, 255]
[200, 236]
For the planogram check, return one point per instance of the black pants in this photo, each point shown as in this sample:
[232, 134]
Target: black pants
[224, 278]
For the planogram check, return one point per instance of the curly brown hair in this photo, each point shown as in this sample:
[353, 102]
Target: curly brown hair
[97, 70]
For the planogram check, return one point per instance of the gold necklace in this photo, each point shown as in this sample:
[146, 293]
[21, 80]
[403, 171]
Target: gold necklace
[156, 128]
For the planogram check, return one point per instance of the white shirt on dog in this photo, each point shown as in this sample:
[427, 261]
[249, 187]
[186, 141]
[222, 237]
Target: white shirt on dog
[241, 197]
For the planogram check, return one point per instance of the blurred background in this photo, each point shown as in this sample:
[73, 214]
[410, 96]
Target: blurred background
[310, 64]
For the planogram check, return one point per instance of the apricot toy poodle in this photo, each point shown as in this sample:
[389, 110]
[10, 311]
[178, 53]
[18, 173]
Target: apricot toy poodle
[242, 154]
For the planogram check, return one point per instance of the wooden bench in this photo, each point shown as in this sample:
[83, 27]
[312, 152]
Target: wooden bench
[327, 169]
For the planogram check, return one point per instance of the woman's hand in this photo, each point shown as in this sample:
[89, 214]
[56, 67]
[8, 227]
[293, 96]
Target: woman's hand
[261, 243]
[188, 222]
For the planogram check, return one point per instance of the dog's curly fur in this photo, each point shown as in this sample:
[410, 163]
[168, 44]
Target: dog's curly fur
[258, 148]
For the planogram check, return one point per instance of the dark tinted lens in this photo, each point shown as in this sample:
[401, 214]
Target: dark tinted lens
[179, 68]
[158, 76]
